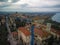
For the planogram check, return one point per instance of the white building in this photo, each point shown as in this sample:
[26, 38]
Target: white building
[24, 34]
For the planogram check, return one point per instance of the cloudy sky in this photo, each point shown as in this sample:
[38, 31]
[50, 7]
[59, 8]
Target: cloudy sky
[30, 5]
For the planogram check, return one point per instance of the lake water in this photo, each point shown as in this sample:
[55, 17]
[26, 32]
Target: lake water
[56, 17]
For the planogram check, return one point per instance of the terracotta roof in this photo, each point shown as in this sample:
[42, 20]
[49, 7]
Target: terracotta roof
[14, 33]
[24, 30]
[41, 33]
[55, 31]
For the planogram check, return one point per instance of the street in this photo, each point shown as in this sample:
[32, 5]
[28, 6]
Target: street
[11, 39]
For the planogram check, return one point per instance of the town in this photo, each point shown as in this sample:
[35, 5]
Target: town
[29, 29]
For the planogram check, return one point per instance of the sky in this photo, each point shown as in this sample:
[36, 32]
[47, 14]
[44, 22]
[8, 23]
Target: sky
[30, 5]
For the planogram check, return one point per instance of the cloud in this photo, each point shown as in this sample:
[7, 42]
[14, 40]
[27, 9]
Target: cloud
[9, 0]
[26, 9]
[44, 3]
[45, 9]
[30, 5]
[58, 6]
[3, 0]
[15, 0]
[54, 6]
[24, 5]
[4, 4]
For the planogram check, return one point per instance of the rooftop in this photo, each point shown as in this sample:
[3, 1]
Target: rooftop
[41, 33]
[24, 30]
[14, 33]
[56, 31]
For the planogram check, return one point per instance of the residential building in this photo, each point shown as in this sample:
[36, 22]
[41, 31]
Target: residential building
[24, 34]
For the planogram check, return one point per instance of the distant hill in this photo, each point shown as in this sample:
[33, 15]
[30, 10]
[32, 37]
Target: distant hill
[29, 13]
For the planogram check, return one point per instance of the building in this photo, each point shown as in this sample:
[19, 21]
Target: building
[41, 35]
[15, 35]
[24, 34]
[48, 28]
[56, 33]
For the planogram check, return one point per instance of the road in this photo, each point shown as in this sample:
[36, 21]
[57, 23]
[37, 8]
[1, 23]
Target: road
[11, 39]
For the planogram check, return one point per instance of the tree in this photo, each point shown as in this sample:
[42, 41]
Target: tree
[3, 35]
